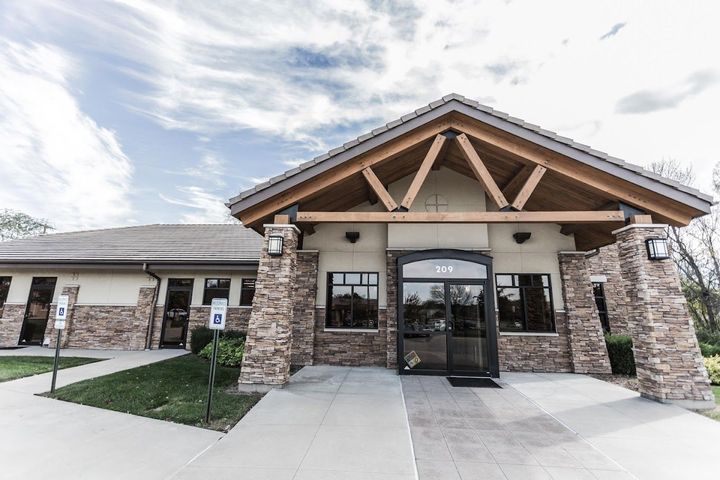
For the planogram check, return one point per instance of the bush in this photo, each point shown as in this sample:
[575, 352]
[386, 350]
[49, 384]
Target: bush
[201, 336]
[621, 356]
[712, 364]
[711, 338]
[230, 352]
[709, 350]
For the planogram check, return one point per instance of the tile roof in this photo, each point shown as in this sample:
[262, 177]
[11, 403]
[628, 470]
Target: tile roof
[481, 109]
[176, 244]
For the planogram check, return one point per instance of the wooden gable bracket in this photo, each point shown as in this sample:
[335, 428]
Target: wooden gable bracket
[423, 171]
[379, 189]
[528, 187]
[481, 172]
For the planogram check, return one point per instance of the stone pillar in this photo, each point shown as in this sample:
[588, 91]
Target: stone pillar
[606, 263]
[391, 312]
[588, 351]
[143, 311]
[266, 363]
[668, 360]
[303, 327]
[72, 292]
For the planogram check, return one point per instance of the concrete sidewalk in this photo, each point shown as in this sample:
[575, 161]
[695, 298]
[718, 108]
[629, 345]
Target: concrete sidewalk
[328, 423]
[649, 439]
[117, 360]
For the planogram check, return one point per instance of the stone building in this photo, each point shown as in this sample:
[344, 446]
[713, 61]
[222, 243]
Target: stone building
[456, 240]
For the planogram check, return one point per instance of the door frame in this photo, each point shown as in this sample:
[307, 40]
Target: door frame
[488, 283]
[187, 323]
[27, 310]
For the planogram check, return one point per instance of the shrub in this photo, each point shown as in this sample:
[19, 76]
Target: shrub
[621, 356]
[201, 336]
[711, 338]
[712, 364]
[230, 352]
[709, 350]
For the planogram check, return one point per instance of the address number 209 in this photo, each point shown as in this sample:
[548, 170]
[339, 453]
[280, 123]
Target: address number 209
[443, 268]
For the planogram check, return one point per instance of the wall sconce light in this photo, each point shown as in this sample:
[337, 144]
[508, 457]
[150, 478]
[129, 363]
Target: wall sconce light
[275, 245]
[521, 237]
[657, 248]
[352, 236]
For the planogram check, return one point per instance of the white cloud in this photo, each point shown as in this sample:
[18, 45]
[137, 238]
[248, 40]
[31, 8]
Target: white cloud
[200, 206]
[56, 162]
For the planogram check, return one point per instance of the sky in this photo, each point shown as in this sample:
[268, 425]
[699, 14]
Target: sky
[134, 112]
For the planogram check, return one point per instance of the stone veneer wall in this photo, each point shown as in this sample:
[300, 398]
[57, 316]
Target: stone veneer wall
[303, 326]
[537, 353]
[351, 348]
[72, 292]
[607, 262]
[237, 319]
[667, 356]
[11, 323]
[587, 343]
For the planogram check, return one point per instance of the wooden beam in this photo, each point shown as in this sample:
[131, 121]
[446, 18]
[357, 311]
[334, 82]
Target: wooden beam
[481, 172]
[528, 187]
[281, 219]
[422, 173]
[462, 217]
[379, 189]
[513, 186]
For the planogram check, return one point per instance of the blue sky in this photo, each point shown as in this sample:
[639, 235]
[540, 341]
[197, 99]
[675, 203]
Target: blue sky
[132, 112]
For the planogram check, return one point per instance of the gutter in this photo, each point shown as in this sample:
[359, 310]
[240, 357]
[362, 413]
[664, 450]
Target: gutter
[151, 321]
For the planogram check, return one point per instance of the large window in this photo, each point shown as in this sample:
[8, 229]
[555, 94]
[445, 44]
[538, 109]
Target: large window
[525, 303]
[4, 289]
[599, 293]
[247, 292]
[216, 288]
[352, 300]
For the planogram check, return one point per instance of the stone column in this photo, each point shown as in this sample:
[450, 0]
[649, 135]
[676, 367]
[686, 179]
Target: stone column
[391, 311]
[588, 351]
[72, 292]
[266, 363]
[668, 360]
[303, 328]
[143, 311]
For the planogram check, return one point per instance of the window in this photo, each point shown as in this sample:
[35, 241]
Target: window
[4, 288]
[599, 293]
[247, 291]
[525, 303]
[352, 300]
[216, 288]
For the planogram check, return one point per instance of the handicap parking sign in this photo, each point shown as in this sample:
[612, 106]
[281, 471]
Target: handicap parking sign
[218, 312]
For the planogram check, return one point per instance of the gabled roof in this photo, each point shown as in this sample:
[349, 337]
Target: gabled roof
[156, 244]
[495, 118]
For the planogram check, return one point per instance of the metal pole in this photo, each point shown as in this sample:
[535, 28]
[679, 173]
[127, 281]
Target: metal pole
[211, 380]
[57, 360]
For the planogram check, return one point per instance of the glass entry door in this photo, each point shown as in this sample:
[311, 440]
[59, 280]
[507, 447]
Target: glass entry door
[37, 311]
[177, 313]
[444, 304]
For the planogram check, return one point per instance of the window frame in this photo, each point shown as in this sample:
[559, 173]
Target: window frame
[549, 288]
[243, 288]
[603, 315]
[329, 296]
[205, 289]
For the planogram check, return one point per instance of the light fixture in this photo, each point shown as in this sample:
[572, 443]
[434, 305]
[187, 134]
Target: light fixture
[521, 237]
[657, 248]
[352, 236]
[275, 245]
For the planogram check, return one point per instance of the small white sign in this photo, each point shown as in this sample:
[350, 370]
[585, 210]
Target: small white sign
[61, 311]
[218, 312]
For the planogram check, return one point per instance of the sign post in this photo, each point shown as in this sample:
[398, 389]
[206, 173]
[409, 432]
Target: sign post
[60, 317]
[218, 312]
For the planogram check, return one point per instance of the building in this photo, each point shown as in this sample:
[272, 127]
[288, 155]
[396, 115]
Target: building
[454, 241]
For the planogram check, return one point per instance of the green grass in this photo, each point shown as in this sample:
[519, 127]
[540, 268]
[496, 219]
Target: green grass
[715, 414]
[174, 390]
[13, 367]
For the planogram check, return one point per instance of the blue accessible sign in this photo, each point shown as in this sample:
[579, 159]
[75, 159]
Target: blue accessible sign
[218, 313]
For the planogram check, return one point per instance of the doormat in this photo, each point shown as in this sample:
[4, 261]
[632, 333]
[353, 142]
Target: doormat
[472, 382]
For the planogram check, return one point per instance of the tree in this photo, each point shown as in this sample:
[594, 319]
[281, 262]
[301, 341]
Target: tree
[695, 250]
[14, 224]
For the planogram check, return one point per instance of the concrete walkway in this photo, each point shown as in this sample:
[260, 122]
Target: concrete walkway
[45, 438]
[649, 439]
[328, 423]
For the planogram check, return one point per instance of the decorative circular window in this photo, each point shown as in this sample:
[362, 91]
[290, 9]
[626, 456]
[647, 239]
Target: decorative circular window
[436, 203]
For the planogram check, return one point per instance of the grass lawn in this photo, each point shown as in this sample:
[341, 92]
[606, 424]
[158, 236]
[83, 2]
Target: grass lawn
[715, 414]
[174, 390]
[19, 366]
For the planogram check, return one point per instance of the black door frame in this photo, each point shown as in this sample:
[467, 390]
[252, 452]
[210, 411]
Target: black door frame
[27, 310]
[488, 284]
[170, 288]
